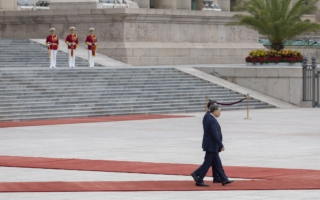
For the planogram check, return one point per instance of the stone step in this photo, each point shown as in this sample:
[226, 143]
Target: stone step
[144, 89]
[99, 71]
[49, 113]
[74, 100]
[127, 94]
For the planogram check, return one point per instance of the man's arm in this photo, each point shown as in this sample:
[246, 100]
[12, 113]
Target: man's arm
[47, 42]
[215, 134]
[88, 42]
[67, 42]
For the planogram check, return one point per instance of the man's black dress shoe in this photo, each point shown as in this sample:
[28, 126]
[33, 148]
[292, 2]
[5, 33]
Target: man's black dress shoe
[201, 184]
[227, 182]
[214, 181]
[195, 177]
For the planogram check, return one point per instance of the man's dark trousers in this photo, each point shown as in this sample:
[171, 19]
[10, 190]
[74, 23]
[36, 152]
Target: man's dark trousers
[214, 170]
[211, 159]
[218, 167]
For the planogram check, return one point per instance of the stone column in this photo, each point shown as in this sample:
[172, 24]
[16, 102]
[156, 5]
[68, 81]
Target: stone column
[183, 4]
[199, 5]
[143, 3]
[165, 4]
[223, 4]
[8, 5]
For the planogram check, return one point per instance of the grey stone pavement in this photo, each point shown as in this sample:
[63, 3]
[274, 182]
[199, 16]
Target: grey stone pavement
[285, 138]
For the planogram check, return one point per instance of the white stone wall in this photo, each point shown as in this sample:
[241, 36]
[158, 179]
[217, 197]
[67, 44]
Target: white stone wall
[284, 83]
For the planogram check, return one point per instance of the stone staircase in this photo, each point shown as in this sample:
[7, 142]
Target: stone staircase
[32, 92]
[24, 53]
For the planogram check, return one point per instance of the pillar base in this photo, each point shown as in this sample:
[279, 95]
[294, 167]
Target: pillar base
[73, 4]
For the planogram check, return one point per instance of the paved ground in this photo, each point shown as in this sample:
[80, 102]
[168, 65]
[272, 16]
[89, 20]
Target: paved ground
[284, 138]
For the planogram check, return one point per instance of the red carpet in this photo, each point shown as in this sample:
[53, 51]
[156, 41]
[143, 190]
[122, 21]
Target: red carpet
[154, 186]
[269, 178]
[85, 120]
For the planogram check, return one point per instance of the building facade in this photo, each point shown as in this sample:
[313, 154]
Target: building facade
[11, 5]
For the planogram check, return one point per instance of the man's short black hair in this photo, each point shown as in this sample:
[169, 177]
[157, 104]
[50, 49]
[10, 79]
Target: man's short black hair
[214, 107]
[210, 103]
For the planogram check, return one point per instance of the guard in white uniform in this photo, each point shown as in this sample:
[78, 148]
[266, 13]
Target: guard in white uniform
[72, 42]
[52, 43]
[91, 41]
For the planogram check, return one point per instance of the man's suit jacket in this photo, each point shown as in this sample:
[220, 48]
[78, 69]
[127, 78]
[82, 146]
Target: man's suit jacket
[205, 117]
[212, 137]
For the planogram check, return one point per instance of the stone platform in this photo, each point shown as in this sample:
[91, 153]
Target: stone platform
[142, 36]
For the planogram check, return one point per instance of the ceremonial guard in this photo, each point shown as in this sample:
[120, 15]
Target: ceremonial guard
[52, 43]
[91, 41]
[72, 42]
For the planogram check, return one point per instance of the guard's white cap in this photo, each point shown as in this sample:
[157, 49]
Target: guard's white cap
[52, 29]
[91, 29]
[72, 28]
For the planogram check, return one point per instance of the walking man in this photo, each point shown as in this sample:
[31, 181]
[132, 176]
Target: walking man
[91, 41]
[52, 43]
[72, 42]
[212, 145]
[195, 174]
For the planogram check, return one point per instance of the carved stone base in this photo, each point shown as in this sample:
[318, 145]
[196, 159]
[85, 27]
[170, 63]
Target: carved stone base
[143, 54]
[211, 9]
[297, 64]
[142, 36]
[306, 104]
[71, 5]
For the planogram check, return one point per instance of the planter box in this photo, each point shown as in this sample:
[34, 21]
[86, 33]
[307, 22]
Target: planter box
[297, 64]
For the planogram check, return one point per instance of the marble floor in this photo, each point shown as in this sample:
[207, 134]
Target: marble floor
[282, 138]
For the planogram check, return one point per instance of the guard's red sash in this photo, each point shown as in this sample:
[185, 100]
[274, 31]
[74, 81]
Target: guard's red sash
[74, 39]
[94, 46]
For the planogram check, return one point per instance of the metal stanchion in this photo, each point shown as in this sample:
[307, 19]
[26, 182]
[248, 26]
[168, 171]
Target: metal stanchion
[207, 100]
[248, 106]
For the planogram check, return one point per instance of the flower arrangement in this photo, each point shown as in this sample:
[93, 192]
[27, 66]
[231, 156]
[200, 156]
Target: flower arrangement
[273, 56]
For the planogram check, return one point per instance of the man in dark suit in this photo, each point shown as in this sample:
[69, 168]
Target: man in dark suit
[195, 174]
[212, 145]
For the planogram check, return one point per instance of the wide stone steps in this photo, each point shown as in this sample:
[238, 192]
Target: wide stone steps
[29, 90]
[24, 53]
